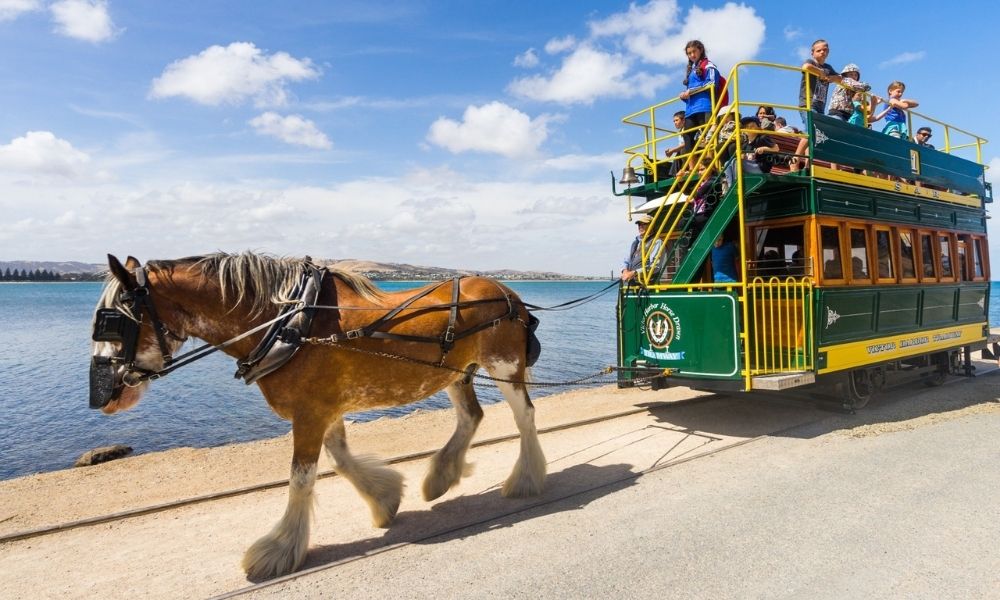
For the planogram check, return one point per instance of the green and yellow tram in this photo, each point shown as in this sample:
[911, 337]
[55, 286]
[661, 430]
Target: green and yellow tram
[870, 261]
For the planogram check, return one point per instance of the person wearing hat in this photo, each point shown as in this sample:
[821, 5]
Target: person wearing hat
[842, 103]
[924, 134]
[633, 262]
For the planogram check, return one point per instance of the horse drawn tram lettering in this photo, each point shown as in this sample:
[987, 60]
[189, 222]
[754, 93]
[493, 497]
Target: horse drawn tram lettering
[869, 262]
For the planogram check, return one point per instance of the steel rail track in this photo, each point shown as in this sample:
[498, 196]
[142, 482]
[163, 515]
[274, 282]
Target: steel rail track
[241, 491]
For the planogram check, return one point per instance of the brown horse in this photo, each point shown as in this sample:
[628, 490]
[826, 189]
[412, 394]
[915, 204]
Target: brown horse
[218, 297]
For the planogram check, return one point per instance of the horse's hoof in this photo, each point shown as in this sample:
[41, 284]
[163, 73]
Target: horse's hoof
[268, 558]
[440, 480]
[383, 514]
[521, 487]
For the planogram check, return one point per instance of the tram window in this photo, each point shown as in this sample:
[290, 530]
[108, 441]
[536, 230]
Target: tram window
[946, 270]
[832, 264]
[779, 251]
[883, 247]
[977, 258]
[927, 255]
[859, 254]
[906, 255]
[962, 257]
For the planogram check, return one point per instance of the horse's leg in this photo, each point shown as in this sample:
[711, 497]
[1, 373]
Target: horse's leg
[448, 464]
[283, 549]
[379, 486]
[528, 475]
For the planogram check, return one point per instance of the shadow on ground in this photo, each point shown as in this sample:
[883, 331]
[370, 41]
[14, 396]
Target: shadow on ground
[465, 516]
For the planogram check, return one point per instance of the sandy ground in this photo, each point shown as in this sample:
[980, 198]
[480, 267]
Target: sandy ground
[47, 499]
[195, 551]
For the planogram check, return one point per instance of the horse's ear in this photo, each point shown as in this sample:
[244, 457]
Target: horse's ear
[132, 263]
[121, 273]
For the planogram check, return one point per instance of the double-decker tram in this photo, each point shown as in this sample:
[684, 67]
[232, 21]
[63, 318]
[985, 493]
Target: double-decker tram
[869, 263]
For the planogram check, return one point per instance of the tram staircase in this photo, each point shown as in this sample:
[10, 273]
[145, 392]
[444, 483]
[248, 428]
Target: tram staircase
[779, 336]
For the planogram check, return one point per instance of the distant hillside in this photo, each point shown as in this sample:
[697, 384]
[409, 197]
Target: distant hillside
[398, 271]
[371, 269]
[55, 267]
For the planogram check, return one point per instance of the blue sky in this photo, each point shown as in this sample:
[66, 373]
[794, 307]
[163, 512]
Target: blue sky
[460, 134]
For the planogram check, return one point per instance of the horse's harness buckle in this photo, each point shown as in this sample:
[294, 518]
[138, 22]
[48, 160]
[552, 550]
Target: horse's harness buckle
[354, 334]
[449, 335]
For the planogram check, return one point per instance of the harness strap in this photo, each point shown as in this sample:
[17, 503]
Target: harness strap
[142, 297]
[448, 339]
[367, 330]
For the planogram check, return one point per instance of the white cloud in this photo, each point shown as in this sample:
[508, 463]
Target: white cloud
[902, 59]
[557, 45]
[12, 9]
[803, 52]
[582, 162]
[494, 128]
[86, 20]
[527, 60]
[655, 33]
[439, 217]
[586, 75]
[41, 152]
[233, 74]
[292, 129]
[792, 33]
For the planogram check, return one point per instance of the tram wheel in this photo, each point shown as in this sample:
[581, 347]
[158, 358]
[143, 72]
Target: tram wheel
[861, 388]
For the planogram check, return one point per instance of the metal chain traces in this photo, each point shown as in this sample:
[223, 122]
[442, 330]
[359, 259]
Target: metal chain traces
[334, 341]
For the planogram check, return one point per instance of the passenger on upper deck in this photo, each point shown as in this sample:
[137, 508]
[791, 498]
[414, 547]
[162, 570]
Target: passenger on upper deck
[781, 125]
[766, 116]
[895, 111]
[676, 165]
[699, 81]
[858, 109]
[816, 76]
[756, 146]
[841, 104]
[923, 134]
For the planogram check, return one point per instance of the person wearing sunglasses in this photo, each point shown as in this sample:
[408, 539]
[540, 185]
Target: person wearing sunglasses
[923, 136]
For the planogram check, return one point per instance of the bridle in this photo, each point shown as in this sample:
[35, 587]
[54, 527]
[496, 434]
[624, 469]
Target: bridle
[114, 325]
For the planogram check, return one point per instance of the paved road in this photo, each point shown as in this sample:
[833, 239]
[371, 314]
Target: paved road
[898, 502]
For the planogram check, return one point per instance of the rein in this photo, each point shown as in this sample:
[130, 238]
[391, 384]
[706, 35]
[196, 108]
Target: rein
[142, 300]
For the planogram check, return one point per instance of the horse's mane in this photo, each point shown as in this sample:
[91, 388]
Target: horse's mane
[260, 279]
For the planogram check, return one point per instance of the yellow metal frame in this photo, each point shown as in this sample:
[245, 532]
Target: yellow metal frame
[782, 325]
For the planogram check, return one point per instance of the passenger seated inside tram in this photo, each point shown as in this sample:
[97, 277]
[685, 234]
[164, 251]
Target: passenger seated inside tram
[772, 265]
[798, 266]
[832, 270]
[858, 270]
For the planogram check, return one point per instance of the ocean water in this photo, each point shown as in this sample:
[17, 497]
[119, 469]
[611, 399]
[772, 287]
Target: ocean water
[45, 423]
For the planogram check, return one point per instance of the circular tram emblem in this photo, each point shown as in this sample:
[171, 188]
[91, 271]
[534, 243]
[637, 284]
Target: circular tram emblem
[659, 329]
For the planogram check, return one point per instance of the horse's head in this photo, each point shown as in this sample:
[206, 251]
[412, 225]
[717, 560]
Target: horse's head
[130, 342]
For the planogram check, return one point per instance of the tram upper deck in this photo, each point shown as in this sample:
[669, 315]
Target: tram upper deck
[875, 252]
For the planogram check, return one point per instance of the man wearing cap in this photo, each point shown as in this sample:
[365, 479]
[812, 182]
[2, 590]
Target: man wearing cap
[922, 136]
[841, 105]
[633, 262]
